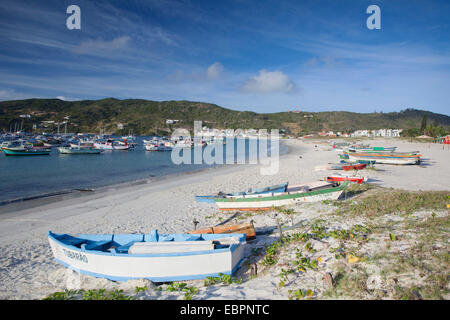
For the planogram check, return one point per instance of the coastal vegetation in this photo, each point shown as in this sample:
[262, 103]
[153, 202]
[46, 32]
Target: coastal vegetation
[146, 117]
[393, 245]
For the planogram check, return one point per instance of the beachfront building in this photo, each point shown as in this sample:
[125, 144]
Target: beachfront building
[391, 133]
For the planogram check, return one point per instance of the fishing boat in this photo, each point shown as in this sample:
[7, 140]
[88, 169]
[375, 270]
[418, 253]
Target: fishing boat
[308, 192]
[342, 178]
[247, 228]
[355, 166]
[275, 188]
[111, 145]
[367, 162]
[159, 146]
[154, 256]
[387, 158]
[25, 152]
[328, 167]
[373, 149]
[79, 150]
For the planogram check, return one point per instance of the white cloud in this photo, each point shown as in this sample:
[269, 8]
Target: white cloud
[214, 71]
[61, 98]
[268, 81]
[101, 46]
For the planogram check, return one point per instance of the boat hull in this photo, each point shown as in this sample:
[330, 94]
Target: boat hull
[247, 228]
[8, 152]
[159, 267]
[79, 150]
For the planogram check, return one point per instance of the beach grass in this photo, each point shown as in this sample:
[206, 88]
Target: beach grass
[386, 201]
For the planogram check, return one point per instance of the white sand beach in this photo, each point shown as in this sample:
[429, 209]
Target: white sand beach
[28, 269]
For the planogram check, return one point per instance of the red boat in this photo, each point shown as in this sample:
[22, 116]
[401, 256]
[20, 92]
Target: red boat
[344, 178]
[358, 166]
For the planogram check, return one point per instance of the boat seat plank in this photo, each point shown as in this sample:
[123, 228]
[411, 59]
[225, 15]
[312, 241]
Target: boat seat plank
[124, 248]
[97, 245]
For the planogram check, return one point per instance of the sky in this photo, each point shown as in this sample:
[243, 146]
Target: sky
[262, 56]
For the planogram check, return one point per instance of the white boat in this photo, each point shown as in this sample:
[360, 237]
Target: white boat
[111, 145]
[79, 150]
[157, 257]
[158, 146]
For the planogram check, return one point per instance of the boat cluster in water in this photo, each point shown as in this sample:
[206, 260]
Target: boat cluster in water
[23, 144]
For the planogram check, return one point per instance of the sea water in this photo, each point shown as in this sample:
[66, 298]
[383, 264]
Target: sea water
[25, 177]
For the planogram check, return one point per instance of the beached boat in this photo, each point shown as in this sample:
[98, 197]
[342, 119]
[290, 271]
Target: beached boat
[157, 257]
[373, 149]
[247, 228]
[367, 162]
[341, 178]
[355, 166]
[25, 152]
[79, 150]
[308, 192]
[328, 167]
[275, 188]
[386, 158]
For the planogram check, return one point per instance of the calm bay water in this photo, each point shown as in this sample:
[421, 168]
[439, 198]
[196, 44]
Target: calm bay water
[32, 176]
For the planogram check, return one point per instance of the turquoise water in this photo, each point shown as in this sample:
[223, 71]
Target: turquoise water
[35, 176]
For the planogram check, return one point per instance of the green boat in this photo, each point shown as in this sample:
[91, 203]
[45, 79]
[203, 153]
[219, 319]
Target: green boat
[79, 150]
[25, 152]
[309, 192]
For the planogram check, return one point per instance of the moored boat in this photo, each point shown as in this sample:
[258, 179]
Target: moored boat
[157, 257]
[79, 150]
[25, 152]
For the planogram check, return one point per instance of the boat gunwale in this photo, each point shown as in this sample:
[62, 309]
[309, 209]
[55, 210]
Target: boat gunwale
[284, 195]
[113, 253]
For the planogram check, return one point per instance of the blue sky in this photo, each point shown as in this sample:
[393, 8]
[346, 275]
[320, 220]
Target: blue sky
[263, 56]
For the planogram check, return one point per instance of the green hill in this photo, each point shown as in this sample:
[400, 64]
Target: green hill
[149, 117]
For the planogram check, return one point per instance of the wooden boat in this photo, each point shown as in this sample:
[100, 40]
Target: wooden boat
[157, 257]
[357, 166]
[367, 162]
[247, 228]
[308, 192]
[25, 152]
[328, 167]
[341, 178]
[404, 153]
[373, 149]
[276, 188]
[386, 158]
[79, 150]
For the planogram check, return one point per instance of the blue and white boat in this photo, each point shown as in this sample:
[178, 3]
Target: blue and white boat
[157, 257]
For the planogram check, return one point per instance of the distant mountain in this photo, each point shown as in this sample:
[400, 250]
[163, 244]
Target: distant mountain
[149, 117]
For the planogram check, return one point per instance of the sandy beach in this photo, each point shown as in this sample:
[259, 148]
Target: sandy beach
[28, 269]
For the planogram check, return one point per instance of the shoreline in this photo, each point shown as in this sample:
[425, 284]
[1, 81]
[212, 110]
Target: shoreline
[20, 204]
[28, 269]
